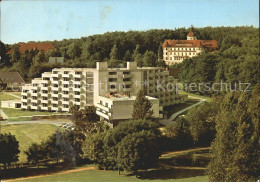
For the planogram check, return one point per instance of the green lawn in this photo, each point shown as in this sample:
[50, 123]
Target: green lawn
[16, 93]
[28, 133]
[108, 176]
[4, 96]
[18, 112]
[194, 95]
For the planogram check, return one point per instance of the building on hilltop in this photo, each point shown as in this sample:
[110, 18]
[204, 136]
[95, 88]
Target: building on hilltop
[175, 51]
[40, 46]
[111, 90]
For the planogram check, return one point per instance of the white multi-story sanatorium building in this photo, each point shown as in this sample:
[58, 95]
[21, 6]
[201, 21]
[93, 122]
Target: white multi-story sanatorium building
[175, 51]
[111, 90]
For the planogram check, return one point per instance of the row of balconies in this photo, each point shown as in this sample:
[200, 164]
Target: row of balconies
[107, 116]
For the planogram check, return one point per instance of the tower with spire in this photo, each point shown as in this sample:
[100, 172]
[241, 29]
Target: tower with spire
[191, 35]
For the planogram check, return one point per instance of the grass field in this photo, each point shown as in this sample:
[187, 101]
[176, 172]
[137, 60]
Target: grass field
[28, 133]
[4, 96]
[108, 176]
[18, 112]
[16, 93]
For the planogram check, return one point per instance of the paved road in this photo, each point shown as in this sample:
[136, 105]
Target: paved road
[33, 122]
[170, 121]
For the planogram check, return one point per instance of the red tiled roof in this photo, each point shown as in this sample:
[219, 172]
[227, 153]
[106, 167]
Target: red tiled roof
[190, 34]
[43, 46]
[191, 43]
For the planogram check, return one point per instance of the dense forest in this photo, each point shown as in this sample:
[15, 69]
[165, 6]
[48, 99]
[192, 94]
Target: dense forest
[235, 60]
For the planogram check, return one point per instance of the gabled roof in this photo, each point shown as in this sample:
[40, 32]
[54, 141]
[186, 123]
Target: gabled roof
[41, 46]
[191, 34]
[191, 43]
[11, 77]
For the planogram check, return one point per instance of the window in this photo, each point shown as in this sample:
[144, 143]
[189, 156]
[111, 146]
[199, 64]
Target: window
[112, 73]
[126, 79]
[112, 79]
[77, 93]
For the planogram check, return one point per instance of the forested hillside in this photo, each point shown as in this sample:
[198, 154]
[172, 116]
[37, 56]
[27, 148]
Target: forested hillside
[236, 58]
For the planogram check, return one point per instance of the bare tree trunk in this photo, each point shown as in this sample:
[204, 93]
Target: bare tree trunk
[118, 171]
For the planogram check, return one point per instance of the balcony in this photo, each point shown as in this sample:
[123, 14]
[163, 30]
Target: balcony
[44, 101]
[44, 94]
[55, 102]
[103, 115]
[24, 100]
[127, 75]
[77, 75]
[65, 95]
[34, 94]
[44, 108]
[76, 89]
[55, 88]
[44, 88]
[77, 96]
[127, 89]
[65, 109]
[55, 82]
[54, 108]
[112, 76]
[24, 93]
[66, 82]
[34, 107]
[46, 81]
[128, 82]
[65, 76]
[65, 89]
[107, 109]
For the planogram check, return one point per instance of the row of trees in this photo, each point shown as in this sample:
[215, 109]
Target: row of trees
[230, 124]
[236, 61]
[144, 47]
[9, 149]
[59, 147]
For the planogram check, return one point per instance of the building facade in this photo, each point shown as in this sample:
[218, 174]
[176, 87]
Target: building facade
[64, 87]
[118, 107]
[175, 51]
